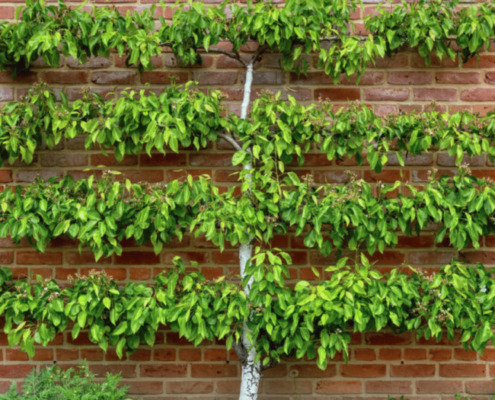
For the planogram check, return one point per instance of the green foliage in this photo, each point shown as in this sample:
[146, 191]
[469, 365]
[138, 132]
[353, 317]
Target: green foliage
[101, 214]
[124, 318]
[350, 216]
[277, 131]
[436, 27]
[129, 124]
[312, 319]
[53, 383]
[297, 28]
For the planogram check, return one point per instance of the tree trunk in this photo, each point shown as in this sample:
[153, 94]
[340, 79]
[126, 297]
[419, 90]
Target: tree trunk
[251, 370]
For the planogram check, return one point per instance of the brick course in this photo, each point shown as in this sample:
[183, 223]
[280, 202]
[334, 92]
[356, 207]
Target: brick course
[381, 364]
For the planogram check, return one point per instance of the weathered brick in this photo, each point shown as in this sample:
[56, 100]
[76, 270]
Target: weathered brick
[386, 94]
[338, 94]
[409, 78]
[65, 77]
[114, 77]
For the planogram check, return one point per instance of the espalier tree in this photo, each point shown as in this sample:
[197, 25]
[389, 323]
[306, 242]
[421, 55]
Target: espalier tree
[260, 315]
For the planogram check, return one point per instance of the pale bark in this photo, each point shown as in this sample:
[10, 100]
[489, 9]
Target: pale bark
[251, 370]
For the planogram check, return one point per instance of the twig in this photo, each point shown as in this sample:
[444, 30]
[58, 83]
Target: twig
[235, 55]
[229, 139]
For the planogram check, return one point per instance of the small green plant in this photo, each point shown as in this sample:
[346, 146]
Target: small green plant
[53, 383]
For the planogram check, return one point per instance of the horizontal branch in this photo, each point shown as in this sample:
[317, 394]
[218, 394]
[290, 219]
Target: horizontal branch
[302, 321]
[137, 37]
[231, 140]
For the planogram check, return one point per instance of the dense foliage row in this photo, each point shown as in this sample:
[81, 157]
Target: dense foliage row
[129, 124]
[312, 319]
[277, 130]
[297, 27]
[102, 214]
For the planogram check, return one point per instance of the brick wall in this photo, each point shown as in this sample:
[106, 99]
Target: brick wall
[382, 364]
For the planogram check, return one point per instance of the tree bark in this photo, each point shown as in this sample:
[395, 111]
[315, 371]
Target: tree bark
[251, 370]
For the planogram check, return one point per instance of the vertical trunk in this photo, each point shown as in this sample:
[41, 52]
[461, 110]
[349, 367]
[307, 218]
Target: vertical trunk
[251, 370]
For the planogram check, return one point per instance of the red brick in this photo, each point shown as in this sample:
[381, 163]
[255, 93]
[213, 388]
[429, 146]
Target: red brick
[137, 258]
[435, 94]
[389, 387]
[164, 77]
[143, 175]
[215, 78]
[409, 78]
[338, 387]
[190, 354]
[287, 387]
[213, 371]
[478, 94]
[64, 160]
[114, 77]
[34, 258]
[21, 78]
[164, 354]
[388, 339]
[390, 354]
[386, 94]
[145, 387]
[6, 12]
[363, 370]
[6, 257]
[312, 371]
[110, 160]
[414, 354]
[91, 63]
[458, 78]
[139, 274]
[430, 258]
[6, 94]
[189, 387]
[483, 61]
[465, 355]
[206, 160]
[480, 387]
[338, 94]
[14, 370]
[163, 370]
[412, 370]
[160, 160]
[65, 77]
[439, 386]
[365, 354]
[125, 370]
[5, 176]
[462, 370]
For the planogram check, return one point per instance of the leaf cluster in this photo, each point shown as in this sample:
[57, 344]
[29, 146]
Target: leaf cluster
[101, 214]
[436, 27]
[297, 28]
[312, 319]
[179, 117]
[277, 132]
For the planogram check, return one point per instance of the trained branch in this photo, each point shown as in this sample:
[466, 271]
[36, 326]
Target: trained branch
[231, 140]
[232, 54]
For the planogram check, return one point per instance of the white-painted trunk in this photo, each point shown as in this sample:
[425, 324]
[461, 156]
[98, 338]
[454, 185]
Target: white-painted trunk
[247, 90]
[251, 370]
